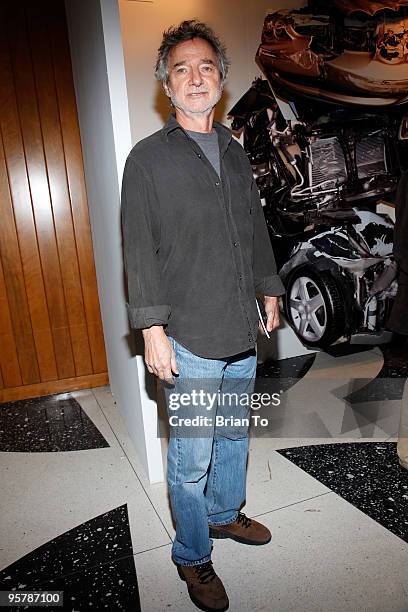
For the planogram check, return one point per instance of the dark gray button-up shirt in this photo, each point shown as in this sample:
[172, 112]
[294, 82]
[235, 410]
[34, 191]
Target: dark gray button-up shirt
[196, 245]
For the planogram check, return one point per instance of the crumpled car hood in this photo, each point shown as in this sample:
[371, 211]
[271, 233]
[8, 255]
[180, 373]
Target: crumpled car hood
[367, 6]
[352, 53]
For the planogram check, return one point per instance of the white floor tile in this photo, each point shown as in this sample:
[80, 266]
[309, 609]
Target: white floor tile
[112, 414]
[274, 482]
[160, 588]
[157, 493]
[325, 556]
[46, 494]
[365, 364]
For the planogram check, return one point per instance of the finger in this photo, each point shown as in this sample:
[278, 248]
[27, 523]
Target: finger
[168, 377]
[155, 370]
[273, 320]
[160, 374]
[164, 374]
[149, 367]
[173, 363]
[277, 315]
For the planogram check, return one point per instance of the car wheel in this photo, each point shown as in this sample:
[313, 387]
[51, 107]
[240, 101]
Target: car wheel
[314, 307]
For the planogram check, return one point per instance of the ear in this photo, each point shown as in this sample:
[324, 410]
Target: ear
[166, 90]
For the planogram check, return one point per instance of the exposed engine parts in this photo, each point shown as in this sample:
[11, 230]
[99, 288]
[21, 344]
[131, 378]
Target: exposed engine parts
[326, 134]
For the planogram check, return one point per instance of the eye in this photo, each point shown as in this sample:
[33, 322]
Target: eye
[208, 68]
[180, 70]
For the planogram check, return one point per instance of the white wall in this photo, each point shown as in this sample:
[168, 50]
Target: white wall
[100, 85]
[237, 22]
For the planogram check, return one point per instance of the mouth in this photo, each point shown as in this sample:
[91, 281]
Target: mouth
[197, 94]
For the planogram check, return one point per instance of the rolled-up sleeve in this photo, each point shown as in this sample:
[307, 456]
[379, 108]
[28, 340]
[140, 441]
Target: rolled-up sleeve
[146, 304]
[266, 278]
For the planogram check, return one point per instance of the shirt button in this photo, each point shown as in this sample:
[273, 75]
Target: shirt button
[199, 155]
[235, 244]
[217, 184]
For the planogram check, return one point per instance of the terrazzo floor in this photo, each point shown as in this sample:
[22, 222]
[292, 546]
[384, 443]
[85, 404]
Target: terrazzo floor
[78, 514]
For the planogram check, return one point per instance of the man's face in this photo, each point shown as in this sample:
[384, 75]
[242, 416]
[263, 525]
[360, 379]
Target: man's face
[194, 85]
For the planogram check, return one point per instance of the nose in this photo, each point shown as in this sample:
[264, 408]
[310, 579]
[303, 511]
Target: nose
[196, 77]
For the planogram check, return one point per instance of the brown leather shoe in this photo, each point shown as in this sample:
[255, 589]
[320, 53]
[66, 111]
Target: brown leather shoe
[243, 530]
[204, 587]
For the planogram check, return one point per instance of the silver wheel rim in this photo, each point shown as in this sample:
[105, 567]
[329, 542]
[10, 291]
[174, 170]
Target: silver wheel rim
[307, 309]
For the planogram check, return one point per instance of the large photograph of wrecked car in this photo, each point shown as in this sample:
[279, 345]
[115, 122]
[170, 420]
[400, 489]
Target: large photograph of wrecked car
[326, 132]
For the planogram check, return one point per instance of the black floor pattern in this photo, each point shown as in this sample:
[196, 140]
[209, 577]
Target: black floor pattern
[366, 474]
[281, 374]
[49, 423]
[92, 564]
[343, 349]
[390, 380]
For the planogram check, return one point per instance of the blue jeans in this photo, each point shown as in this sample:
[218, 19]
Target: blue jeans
[207, 466]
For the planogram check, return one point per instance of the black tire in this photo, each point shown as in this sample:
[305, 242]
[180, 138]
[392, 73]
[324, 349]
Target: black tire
[315, 326]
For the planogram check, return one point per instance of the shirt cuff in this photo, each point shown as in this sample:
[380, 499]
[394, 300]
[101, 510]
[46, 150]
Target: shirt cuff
[271, 285]
[141, 318]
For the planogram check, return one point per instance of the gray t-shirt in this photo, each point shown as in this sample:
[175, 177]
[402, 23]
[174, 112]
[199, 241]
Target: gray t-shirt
[208, 142]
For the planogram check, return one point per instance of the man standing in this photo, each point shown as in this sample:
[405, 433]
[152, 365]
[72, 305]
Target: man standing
[197, 251]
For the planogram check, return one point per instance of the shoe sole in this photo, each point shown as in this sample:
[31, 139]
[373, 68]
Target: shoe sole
[219, 535]
[198, 603]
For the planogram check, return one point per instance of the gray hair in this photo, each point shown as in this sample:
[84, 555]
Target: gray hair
[187, 30]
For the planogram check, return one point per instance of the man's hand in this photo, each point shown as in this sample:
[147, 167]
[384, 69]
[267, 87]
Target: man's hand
[160, 358]
[272, 311]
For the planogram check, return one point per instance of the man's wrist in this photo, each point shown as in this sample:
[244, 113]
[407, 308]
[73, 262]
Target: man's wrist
[270, 299]
[154, 330]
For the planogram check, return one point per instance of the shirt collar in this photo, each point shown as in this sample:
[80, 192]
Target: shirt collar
[224, 134]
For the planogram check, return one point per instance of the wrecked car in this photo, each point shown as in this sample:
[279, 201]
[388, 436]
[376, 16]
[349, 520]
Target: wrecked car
[326, 134]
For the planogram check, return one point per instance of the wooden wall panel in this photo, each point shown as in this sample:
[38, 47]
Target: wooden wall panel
[57, 178]
[10, 122]
[9, 365]
[50, 325]
[76, 183]
[15, 242]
